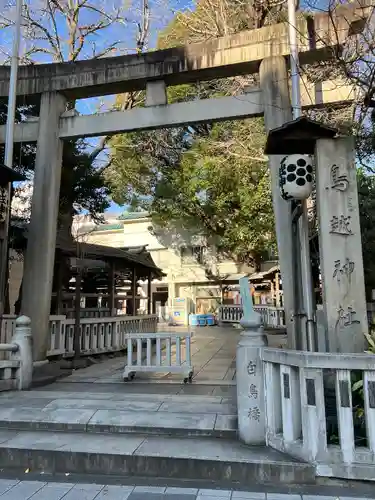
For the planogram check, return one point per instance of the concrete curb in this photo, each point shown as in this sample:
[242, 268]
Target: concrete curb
[247, 474]
[113, 428]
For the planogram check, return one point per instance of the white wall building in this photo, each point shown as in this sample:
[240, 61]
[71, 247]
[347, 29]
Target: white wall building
[185, 259]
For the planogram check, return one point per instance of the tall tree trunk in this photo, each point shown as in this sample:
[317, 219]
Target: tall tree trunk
[65, 223]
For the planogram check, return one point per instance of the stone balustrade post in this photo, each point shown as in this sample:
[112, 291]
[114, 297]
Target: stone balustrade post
[249, 373]
[23, 338]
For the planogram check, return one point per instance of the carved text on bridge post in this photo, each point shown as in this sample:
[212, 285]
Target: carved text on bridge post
[252, 368]
[253, 391]
[254, 413]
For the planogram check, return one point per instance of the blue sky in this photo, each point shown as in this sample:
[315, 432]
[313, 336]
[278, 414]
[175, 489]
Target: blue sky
[124, 32]
[162, 11]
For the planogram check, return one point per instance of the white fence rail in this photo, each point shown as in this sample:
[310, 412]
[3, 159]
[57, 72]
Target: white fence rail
[97, 335]
[313, 414]
[8, 325]
[16, 364]
[272, 317]
[173, 354]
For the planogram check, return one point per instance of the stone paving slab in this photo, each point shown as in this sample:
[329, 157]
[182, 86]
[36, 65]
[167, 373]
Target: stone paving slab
[134, 455]
[187, 407]
[210, 448]
[213, 351]
[124, 421]
[144, 418]
[130, 404]
[53, 394]
[93, 404]
[35, 418]
[74, 442]
[38, 490]
[137, 389]
[215, 449]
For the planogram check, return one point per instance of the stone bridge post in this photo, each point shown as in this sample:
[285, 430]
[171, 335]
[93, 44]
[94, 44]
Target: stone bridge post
[40, 255]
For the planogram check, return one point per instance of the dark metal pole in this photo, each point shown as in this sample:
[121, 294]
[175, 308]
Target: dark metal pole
[9, 150]
[149, 296]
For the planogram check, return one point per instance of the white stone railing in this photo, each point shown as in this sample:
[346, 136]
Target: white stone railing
[8, 325]
[16, 364]
[230, 313]
[98, 335]
[272, 317]
[299, 415]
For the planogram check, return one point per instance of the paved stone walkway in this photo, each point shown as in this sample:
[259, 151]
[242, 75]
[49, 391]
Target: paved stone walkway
[37, 490]
[213, 351]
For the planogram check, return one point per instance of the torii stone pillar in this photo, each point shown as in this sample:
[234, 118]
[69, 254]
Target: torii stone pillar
[40, 255]
[340, 245]
[277, 111]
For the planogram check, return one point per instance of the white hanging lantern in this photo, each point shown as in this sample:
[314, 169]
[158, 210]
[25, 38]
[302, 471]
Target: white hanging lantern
[296, 177]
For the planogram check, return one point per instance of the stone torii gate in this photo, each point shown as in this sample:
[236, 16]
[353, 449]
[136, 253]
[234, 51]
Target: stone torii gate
[262, 50]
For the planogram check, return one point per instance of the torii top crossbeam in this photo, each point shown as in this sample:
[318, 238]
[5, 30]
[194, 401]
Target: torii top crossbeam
[227, 56]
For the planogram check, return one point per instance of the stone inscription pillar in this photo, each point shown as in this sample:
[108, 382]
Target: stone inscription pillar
[40, 254]
[341, 261]
[249, 373]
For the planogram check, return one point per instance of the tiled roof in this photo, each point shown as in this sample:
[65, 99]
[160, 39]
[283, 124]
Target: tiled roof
[133, 215]
[108, 227]
[264, 274]
[106, 254]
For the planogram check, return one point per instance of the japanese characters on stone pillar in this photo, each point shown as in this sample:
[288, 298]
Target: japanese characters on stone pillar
[340, 244]
[249, 372]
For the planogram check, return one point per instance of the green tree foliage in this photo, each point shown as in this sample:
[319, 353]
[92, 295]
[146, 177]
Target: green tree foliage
[366, 199]
[222, 186]
[23, 154]
[83, 186]
[67, 31]
[210, 178]
[214, 180]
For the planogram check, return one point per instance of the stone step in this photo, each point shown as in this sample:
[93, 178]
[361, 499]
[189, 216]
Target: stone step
[146, 386]
[149, 456]
[140, 417]
[194, 400]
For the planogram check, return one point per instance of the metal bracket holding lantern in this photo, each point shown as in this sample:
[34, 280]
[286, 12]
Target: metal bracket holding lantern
[296, 139]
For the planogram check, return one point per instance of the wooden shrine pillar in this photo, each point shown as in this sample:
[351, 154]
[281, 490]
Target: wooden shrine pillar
[134, 291]
[149, 295]
[112, 289]
[59, 269]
